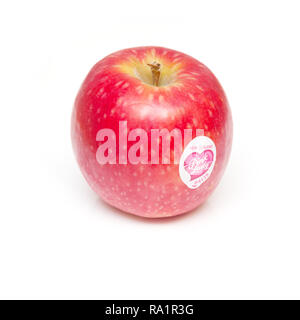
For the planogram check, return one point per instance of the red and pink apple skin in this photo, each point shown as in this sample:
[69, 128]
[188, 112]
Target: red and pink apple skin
[192, 98]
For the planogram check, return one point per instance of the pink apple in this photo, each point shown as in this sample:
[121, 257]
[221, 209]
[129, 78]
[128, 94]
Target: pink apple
[134, 131]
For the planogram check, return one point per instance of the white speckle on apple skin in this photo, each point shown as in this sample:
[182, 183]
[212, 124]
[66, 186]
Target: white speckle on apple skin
[150, 97]
[139, 89]
[125, 85]
[100, 92]
[176, 60]
[118, 83]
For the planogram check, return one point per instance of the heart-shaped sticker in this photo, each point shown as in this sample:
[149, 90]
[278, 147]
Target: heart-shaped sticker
[197, 164]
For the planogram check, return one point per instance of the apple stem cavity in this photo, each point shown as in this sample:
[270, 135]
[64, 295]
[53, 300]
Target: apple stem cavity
[155, 68]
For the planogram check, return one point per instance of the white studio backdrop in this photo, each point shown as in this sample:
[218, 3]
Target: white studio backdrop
[59, 241]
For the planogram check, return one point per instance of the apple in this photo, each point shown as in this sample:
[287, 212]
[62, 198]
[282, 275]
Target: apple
[152, 131]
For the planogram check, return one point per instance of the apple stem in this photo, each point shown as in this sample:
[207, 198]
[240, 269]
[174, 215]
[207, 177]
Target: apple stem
[155, 68]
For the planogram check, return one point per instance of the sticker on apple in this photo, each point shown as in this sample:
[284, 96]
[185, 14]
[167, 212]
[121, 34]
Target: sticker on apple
[197, 161]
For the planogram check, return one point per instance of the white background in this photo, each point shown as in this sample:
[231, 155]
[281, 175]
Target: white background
[57, 239]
